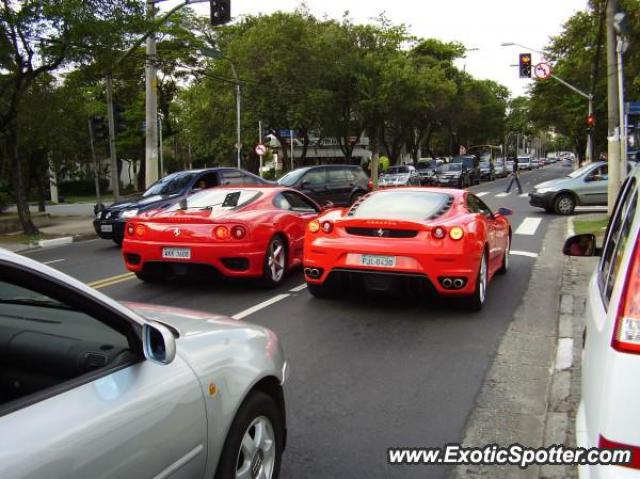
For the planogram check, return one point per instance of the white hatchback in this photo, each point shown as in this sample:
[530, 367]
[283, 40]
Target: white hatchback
[609, 414]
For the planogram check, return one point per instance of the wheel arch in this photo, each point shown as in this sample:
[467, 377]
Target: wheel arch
[571, 193]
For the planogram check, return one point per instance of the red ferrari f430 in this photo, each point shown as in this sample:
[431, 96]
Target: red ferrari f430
[443, 240]
[255, 232]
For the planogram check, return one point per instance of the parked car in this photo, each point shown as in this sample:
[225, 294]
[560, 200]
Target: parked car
[472, 165]
[442, 240]
[552, 160]
[110, 220]
[487, 171]
[453, 175]
[95, 388]
[340, 185]
[399, 175]
[238, 232]
[584, 186]
[427, 170]
[535, 163]
[500, 168]
[524, 163]
[543, 161]
[567, 161]
[607, 415]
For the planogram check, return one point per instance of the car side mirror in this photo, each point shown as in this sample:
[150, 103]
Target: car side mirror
[158, 343]
[581, 245]
[505, 211]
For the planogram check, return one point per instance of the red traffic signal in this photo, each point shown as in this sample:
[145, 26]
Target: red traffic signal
[591, 121]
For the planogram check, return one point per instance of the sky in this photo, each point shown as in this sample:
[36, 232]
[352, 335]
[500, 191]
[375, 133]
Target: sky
[481, 24]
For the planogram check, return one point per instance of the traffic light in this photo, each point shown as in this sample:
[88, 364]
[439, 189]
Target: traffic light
[220, 12]
[99, 128]
[119, 120]
[525, 65]
[591, 121]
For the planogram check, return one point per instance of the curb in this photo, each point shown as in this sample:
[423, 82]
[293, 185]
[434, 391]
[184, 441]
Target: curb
[44, 244]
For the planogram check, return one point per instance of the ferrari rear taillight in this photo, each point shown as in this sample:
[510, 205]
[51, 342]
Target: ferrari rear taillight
[221, 232]
[140, 230]
[604, 443]
[626, 332]
[456, 233]
[238, 232]
[439, 232]
[314, 226]
[327, 226]
[130, 229]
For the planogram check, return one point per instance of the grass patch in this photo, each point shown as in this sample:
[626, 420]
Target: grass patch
[22, 238]
[597, 227]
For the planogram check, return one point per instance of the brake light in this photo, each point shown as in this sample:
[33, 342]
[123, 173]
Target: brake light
[238, 232]
[456, 233]
[140, 230]
[327, 226]
[314, 226]
[221, 232]
[130, 229]
[604, 443]
[626, 333]
[439, 232]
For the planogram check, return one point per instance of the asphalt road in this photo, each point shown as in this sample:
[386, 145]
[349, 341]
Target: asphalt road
[368, 373]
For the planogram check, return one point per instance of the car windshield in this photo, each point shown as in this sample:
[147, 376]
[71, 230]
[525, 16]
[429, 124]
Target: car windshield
[397, 170]
[217, 199]
[484, 164]
[450, 167]
[580, 171]
[401, 205]
[170, 185]
[292, 177]
[426, 165]
[524, 160]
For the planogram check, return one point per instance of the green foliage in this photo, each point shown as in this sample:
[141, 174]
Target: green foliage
[81, 187]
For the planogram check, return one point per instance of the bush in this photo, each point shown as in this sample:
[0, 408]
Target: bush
[81, 187]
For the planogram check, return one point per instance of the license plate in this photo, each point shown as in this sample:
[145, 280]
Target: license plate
[106, 228]
[176, 253]
[379, 261]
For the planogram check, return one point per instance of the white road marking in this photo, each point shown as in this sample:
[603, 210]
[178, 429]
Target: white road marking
[570, 228]
[53, 261]
[482, 193]
[297, 289]
[524, 253]
[595, 209]
[258, 307]
[564, 354]
[502, 195]
[524, 195]
[528, 226]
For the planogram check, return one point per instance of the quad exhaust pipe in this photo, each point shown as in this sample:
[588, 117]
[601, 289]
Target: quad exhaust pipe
[452, 283]
[313, 273]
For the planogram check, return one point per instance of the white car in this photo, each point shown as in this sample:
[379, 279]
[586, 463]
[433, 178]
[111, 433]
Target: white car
[608, 413]
[524, 163]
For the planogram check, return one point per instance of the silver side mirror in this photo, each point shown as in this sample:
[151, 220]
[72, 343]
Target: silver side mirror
[158, 343]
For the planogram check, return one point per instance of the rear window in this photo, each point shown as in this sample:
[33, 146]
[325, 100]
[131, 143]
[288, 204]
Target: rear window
[217, 199]
[402, 205]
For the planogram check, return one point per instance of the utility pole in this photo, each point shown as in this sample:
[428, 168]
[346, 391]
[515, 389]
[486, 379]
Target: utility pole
[115, 177]
[151, 105]
[96, 165]
[238, 130]
[613, 118]
[160, 149]
[260, 142]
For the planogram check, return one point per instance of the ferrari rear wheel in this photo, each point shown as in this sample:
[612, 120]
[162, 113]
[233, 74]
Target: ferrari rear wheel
[275, 263]
[476, 300]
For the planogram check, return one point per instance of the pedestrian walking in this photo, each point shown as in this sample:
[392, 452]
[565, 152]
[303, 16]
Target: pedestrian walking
[514, 177]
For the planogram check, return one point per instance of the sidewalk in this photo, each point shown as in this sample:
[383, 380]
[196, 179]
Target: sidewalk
[62, 230]
[532, 389]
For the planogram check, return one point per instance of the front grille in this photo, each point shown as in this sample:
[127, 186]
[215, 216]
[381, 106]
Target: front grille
[382, 232]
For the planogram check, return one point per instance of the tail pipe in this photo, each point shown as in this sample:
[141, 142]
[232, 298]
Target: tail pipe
[313, 273]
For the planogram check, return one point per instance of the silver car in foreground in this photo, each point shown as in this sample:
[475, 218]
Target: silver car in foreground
[93, 388]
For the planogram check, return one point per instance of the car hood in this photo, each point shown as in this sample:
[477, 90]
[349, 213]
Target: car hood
[188, 322]
[555, 183]
[450, 173]
[138, 201]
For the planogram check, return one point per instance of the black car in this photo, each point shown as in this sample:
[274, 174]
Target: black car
[452, 175]
[337, 184]
[427, 171]
[487, 171]
[110, 220]
[471, 164]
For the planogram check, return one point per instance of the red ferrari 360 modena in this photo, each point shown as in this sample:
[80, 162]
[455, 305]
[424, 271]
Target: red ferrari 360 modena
[235, 231]
[444, 240]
